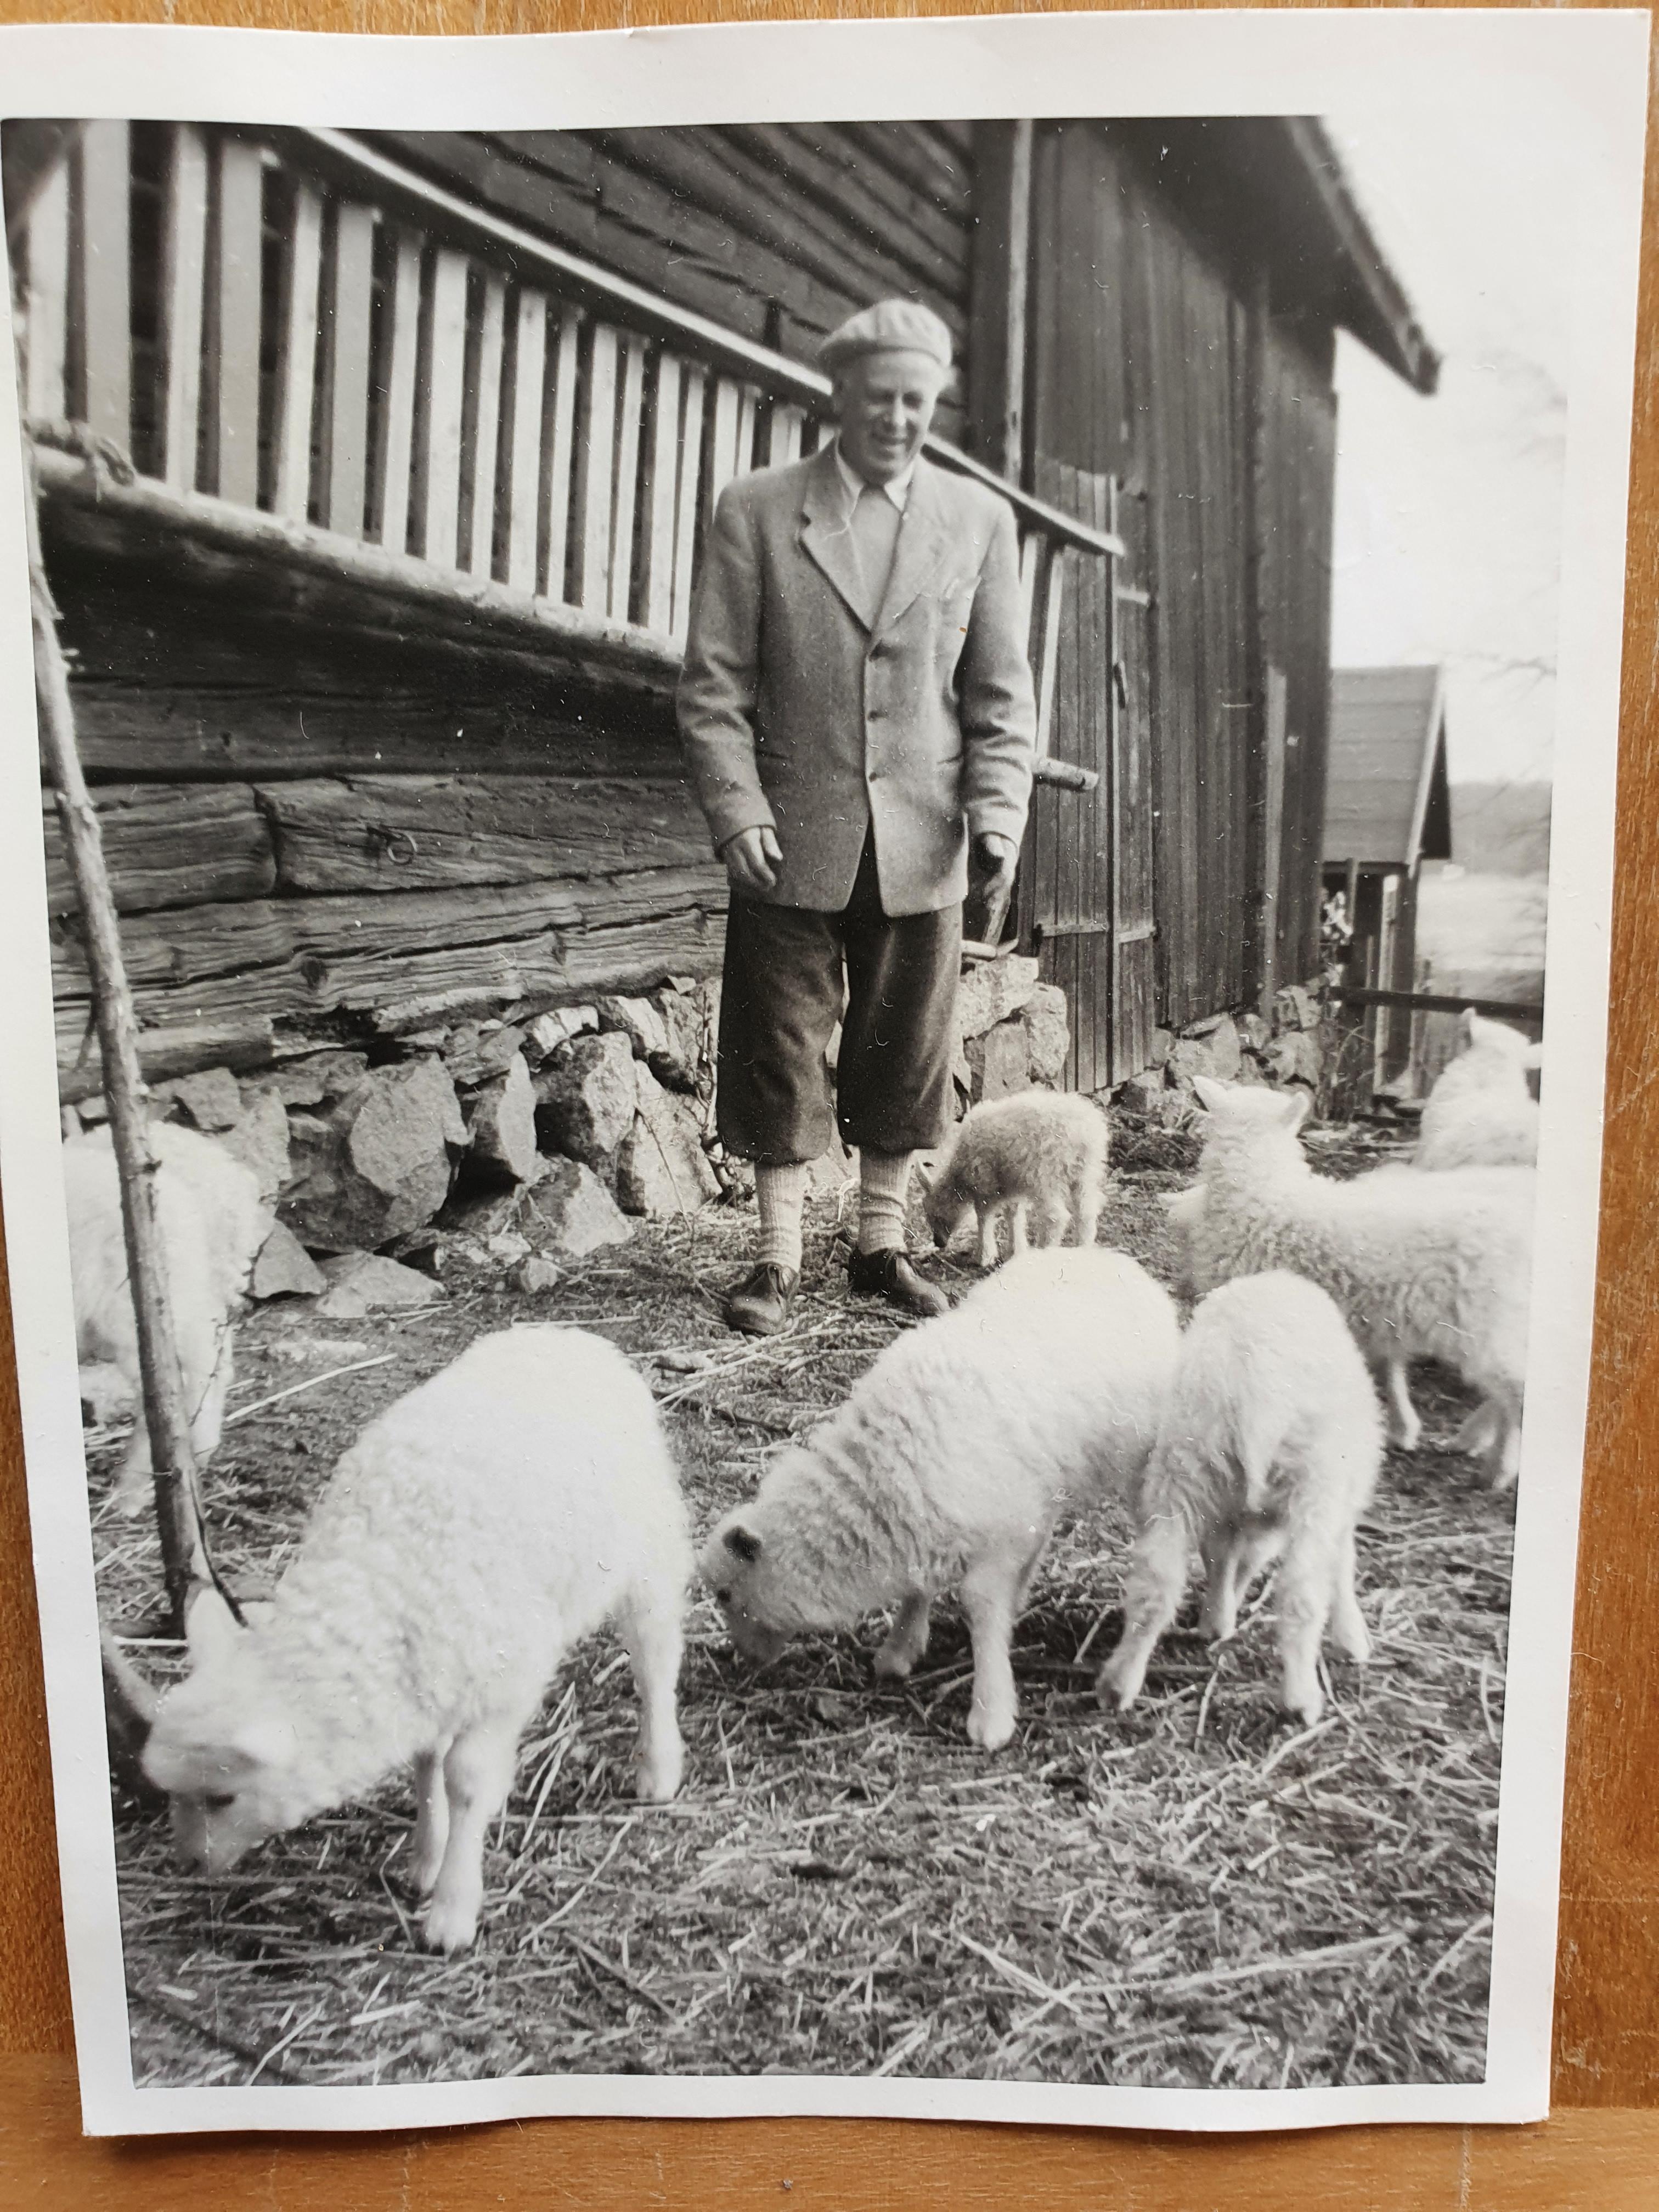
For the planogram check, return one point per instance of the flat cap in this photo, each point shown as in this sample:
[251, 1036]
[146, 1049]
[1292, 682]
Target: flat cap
[888, 323]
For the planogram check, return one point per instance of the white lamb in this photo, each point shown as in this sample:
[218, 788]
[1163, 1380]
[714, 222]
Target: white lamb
[212, 1222]
[1429, 1268]
[1039, 1151]
[1270, 1445]
[950, 1465]
[475, 1531]
[1480, 1112]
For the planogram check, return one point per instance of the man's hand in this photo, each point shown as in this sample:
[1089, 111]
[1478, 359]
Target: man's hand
[997, 856]
[753, 858]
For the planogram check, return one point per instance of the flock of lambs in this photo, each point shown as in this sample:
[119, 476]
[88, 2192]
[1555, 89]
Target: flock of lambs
[501, 1511]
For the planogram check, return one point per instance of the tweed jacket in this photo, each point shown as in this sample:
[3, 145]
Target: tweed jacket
[804, 708]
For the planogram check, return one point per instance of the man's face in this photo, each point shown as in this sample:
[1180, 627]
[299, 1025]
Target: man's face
[884, 404]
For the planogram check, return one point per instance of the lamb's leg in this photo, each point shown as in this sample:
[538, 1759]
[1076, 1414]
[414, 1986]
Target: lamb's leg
[987, 1599]
[133, 1488]
[1055, 1220]
[1477, 1432]
[1017, 1240]
[478, 1768]
[1502, 1454]
[650, 1627]
[1222, 1551]
[1405, 1429]
[1157, 1575]
[907, 1640]
[987, 1234]
[1348, 1629]
[1307, 1583]
[1085, 1210]
[207, 1419]
[431, 1819]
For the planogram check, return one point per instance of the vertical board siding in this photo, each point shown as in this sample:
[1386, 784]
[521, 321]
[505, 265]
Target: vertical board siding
[104, 313]
[1300, 423]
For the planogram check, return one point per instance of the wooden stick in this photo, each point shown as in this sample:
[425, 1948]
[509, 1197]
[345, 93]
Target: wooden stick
[182, 1556]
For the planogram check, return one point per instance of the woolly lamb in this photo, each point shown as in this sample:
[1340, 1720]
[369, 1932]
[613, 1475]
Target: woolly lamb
[212, 1222]
[1430, 1267]
[949, 1466]
[476, 1530]
[1270, 1444]
[1039, 1151]
[1480, 1112]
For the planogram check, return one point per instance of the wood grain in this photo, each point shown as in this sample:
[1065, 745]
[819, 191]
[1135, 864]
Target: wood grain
[1602, 2159]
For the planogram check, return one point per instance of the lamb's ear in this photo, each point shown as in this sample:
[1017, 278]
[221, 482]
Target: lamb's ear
[1211, 1094]
[742, 1543]
[210, 1627]
[1294, 1107]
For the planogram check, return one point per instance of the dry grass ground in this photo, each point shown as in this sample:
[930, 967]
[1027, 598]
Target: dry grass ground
[1197, 1892]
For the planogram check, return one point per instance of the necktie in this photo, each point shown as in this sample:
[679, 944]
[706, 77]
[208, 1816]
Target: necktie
[875, 532]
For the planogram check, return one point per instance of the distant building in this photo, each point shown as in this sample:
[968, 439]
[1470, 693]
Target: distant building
[1387, 809]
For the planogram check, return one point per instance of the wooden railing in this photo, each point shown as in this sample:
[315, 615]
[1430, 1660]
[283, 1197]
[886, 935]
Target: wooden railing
[288, 325]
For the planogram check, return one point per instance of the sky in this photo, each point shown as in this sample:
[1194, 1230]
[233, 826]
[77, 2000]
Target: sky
[1449, 508]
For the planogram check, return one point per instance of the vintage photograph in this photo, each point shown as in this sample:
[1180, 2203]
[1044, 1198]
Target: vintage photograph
[798, 879]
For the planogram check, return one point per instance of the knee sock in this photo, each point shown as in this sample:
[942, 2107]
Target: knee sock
[884, 1179]
[779, 1192]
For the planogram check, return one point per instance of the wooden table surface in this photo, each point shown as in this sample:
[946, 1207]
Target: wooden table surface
[1601, 2149]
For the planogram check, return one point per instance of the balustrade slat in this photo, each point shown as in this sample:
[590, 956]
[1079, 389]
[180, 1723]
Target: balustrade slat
[48, 295]
[184, 282]
[237, 290]
[661, 480]
[487, 433]
[106, 279]
[524, 431]
[296, 372]
[445, 395]
[350, 325]
[687, 498]
[401, 356]
[559, 452]
[723, 438]
[630, 415]
[596, 458]
[783, 434]
[749, 405]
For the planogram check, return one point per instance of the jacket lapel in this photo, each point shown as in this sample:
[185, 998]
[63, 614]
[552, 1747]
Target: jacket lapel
[826, 533]
[921, 546]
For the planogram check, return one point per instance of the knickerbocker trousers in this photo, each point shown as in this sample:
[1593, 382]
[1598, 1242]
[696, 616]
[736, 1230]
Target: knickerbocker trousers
[781, 998]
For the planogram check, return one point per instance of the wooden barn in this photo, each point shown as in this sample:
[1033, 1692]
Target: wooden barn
[1387, 809]
[375, 469]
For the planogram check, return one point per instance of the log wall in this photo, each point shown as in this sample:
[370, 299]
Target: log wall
[315, 837]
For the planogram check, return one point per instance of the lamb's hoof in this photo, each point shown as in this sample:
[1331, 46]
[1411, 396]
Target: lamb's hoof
[660, 1776]
[890, 1665]
[423, 1876]
[1113, 1695]
[449, 1927]
[1406, 1440]
[133, 1493]
[989, 1731]
[1307, 1708]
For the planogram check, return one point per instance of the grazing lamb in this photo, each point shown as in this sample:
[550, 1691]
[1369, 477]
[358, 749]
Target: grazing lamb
[1040, 1151]
[212, 1222]
[1480, 1113]
[1270, 1444]
[949, 1466]
[475, 1531]
[1430, 1267]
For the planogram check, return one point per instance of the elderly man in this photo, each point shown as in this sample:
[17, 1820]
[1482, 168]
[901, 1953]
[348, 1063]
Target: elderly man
[856, 711]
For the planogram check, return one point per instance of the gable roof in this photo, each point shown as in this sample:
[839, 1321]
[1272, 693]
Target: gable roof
[1387, 799]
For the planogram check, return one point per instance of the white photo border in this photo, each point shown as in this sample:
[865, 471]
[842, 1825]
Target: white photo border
[1593, 65]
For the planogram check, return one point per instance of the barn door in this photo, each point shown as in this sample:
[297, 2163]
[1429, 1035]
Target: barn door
[1086, 878]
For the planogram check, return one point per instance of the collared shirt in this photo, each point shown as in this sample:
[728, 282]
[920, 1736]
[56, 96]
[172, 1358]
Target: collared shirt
[897, 488]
